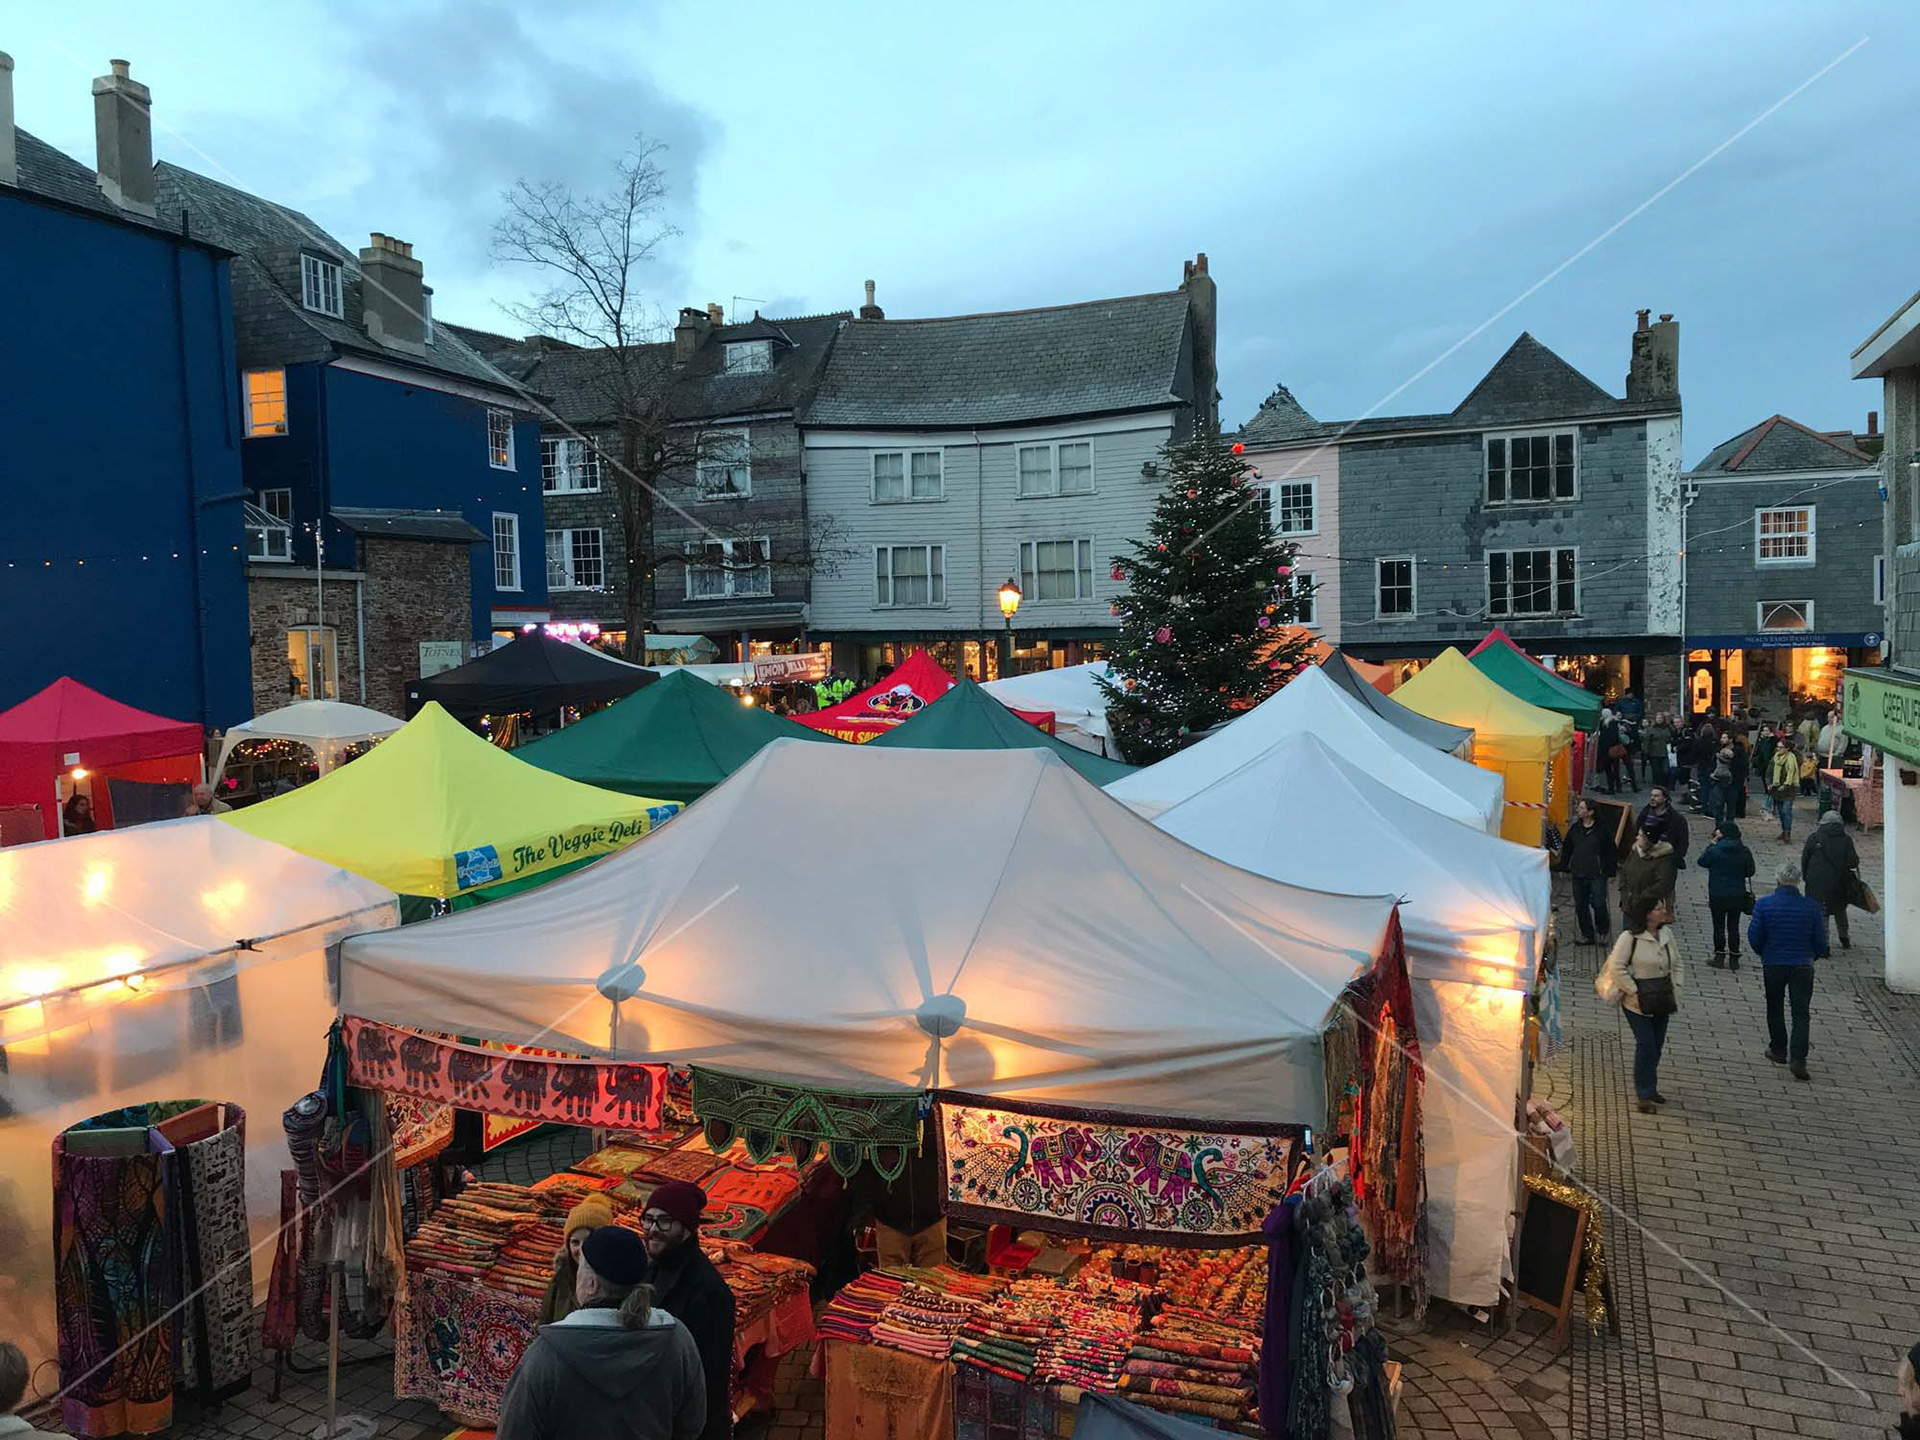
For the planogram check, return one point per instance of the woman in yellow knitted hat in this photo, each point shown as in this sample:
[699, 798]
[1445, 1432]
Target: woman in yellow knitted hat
[586, 1217]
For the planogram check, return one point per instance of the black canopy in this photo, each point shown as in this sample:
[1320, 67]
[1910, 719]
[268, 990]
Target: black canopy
[1437, 733]
[529, 673]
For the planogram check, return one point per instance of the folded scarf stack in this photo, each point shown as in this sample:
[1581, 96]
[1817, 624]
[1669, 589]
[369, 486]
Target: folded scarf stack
[526, 1263]
[1194, 1364]
[1091, 1348]
[466, 1232]
[1010, 1335]
[923, 1322]
[758, 1282]
[852, 1314]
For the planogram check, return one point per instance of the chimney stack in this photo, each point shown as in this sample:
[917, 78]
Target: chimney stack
[1653, 361]
[871, 311]
[694, 327]
[1873, 422]
[393, 298]
[9, 167]
[1203, 309]
[716, 314]
[123, 139]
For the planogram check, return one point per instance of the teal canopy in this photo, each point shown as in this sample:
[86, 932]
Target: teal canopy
[1518, 673]
[674, 740]
[968, 718]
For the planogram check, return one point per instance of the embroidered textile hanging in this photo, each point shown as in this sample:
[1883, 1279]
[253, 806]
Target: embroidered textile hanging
[1114, 1177]
[618, 1095]
[879, 1128]
[421, 1129]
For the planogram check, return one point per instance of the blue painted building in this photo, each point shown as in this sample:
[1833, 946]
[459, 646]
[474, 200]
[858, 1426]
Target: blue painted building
[121, 536]
[360, 419]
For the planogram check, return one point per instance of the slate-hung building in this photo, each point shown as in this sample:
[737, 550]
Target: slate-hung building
[413, 462]
[954, 454]
[120, 496]
[1541, 503]
[1785, 571]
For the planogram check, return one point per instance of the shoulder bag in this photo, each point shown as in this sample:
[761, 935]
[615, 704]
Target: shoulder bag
[1655, 993]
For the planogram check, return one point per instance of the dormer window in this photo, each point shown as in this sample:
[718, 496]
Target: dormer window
[320, 289]
[749, 357]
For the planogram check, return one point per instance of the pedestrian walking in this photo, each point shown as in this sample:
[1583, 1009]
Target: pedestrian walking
[1611, 750]
[1783, 785]
[1729, 865]
[1671, 823]
[1587, 855]
[1720, 802]
[1648, 871]
[1828, 860]
[1642, 976]
[1654, 739]
[1788, 932]
[1742, 766]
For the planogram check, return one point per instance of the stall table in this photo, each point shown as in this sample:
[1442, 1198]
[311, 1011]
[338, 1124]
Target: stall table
[1867, 803]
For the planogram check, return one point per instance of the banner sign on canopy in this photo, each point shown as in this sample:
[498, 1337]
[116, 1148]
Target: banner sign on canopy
[773, 669]
[1113, 1177]
[525, 1085]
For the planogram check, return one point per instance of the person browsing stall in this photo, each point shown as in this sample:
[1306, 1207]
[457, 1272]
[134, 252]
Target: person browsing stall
[686, 1285]
[589, 1215]
[616, 1368]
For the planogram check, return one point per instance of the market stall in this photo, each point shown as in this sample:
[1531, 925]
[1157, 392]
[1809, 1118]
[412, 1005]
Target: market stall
[1527, 746]
[1499, 659]
[179, 961]
[913, 685]
[532, 674]
[325, 729]
[1111, 1036]
[436, 811]
[1313, 703]
[675, 740]
[70, 739]
[1071, 694]
[1351, 676]
[968, 718]
[1475, 914]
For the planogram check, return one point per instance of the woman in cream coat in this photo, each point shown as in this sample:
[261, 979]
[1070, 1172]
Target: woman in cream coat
[1645, 950]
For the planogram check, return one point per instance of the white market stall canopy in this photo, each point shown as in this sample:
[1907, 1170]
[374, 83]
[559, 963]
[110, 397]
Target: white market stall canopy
[326, 727]
[982, 920]
[1074, 696]
[1313, 703]
[179, 960]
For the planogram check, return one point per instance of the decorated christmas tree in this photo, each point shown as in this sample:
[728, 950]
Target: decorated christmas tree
[1203, 625]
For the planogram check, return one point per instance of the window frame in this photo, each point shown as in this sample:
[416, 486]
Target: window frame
[1554, 553]
[286, 490]
[513, 524]
[758, 350]
[495, 412]
[1312, 484]
[1880, 579]
[586, 466]
[701, 494]
[1311, 597]
[908, 454]
[572, 580]
[1806, 608]
[314, 272]
[1028, 570]
[1413, 587]
[893, 579]
[696, 552]
[252, 430]
[1505, 438]
[1052, 447]
[1813, 547]
[265, 555]
[329, 639]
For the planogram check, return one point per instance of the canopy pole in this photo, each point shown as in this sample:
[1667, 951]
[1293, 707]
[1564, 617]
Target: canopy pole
[333, 1349]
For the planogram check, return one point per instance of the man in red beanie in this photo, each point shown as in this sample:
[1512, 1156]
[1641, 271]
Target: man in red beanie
[687, 1287]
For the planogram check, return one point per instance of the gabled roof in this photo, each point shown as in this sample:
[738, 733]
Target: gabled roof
[1527, 385]
[56, 175]
[1094, 358]
[582, 387]
[270, 323]
[1778, 444]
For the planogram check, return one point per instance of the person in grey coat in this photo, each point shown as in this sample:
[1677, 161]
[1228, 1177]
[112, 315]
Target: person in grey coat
[614, 1369]
[1828, 860]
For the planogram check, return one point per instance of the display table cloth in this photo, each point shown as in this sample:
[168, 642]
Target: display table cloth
[878, 1393]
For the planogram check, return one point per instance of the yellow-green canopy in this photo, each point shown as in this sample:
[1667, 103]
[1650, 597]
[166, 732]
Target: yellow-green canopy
[435, 810]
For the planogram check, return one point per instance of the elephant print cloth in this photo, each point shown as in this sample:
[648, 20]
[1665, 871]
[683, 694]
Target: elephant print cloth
[617, 1095]
[1114, 1177]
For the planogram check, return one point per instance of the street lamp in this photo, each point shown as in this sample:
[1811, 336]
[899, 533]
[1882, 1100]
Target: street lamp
[1009, 604]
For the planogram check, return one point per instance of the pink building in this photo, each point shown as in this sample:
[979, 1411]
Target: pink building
[1303, 502]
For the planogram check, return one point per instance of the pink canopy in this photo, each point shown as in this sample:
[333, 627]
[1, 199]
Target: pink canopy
[915, 684]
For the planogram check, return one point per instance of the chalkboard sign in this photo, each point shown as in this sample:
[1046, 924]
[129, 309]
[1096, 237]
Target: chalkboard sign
[1552, 1237]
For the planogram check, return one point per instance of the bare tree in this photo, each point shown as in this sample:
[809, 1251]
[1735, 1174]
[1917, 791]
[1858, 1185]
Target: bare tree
[592, 248]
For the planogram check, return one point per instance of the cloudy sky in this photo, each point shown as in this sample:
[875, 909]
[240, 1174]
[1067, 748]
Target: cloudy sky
[1379, 191]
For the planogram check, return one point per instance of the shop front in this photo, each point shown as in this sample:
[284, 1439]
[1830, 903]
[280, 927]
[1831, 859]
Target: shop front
[980, 657]
[1882, 710]
[1774, 673]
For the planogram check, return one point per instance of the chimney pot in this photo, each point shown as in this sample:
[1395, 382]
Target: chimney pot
[1873, 422]
[9, 169]
[1666, 319]
[869, 292]
[1201, 263]
[871, 311]
[1642, 314]
[122, 69]
[123, 139]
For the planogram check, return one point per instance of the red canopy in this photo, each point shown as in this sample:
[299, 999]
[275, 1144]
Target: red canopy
[68, 719]
[1497, 636]
[916, 683]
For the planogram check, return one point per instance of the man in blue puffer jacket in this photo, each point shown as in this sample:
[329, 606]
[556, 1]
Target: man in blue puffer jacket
[1788, 932]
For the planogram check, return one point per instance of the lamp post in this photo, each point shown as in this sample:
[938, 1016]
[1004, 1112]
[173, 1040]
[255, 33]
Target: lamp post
[1009, 604]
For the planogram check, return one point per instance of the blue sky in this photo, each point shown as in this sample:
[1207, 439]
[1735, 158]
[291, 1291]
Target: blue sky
[1370, 185]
